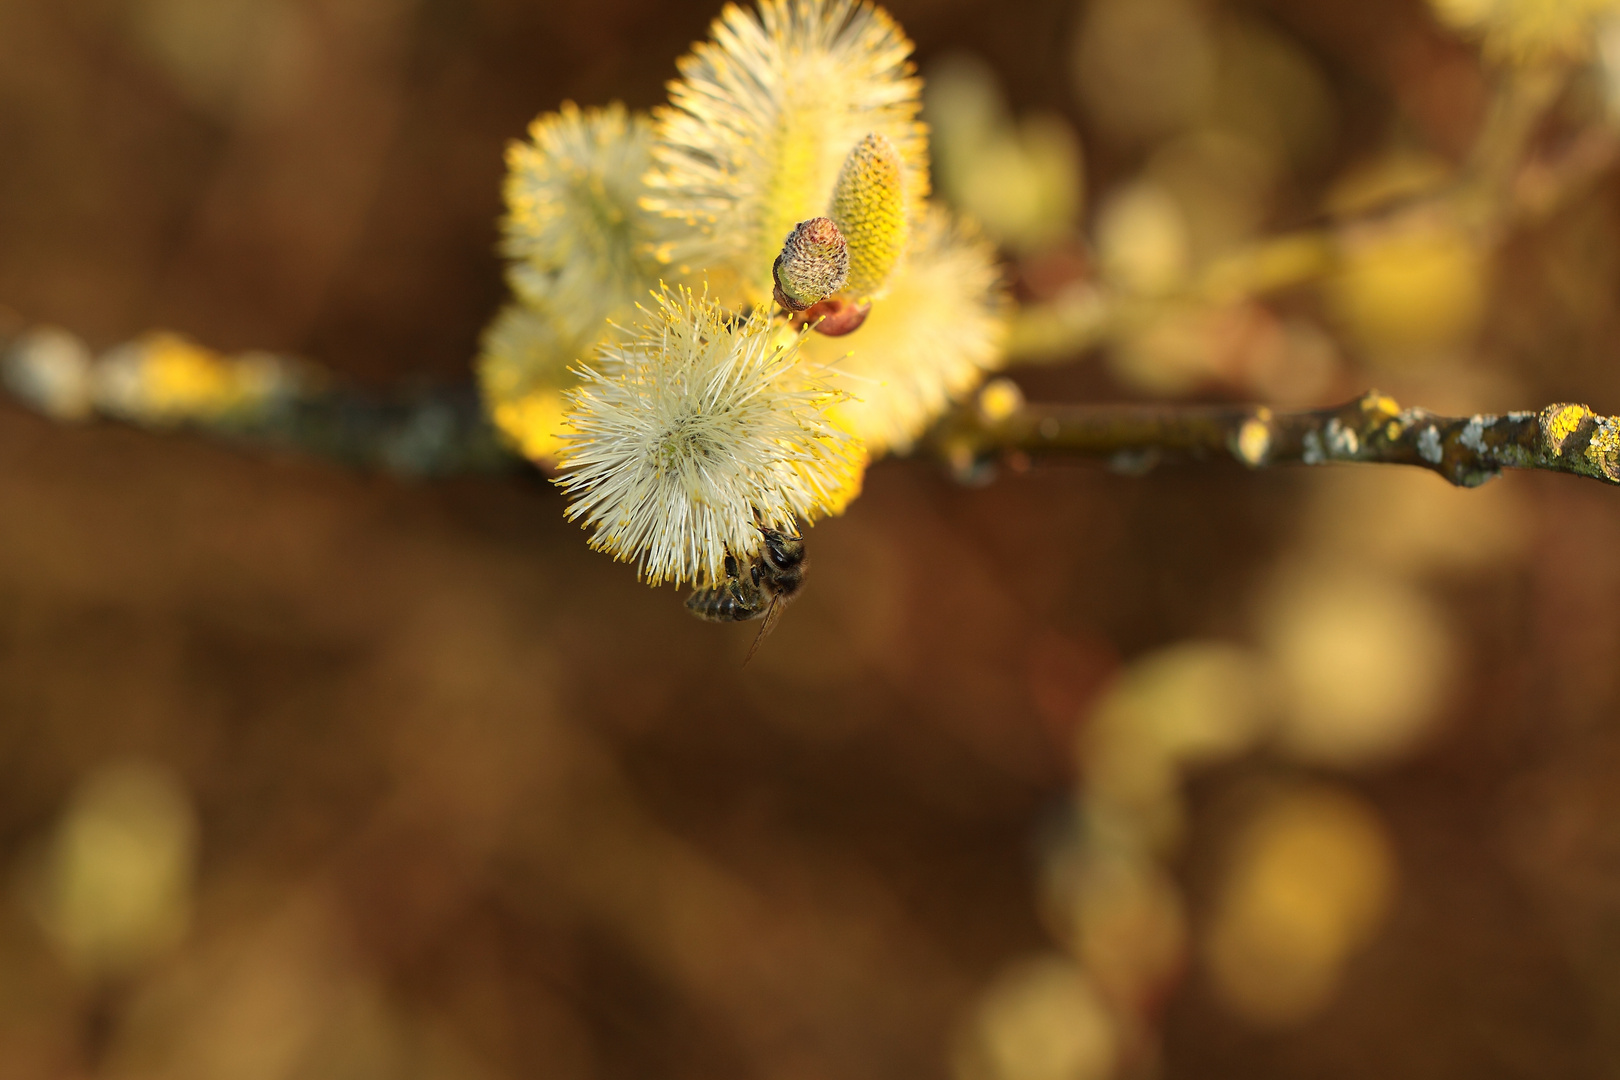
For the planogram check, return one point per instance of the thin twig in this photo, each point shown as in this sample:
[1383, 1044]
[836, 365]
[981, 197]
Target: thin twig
[1466, 450]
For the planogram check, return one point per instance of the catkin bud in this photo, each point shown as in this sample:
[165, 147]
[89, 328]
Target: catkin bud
[813, 265]
[869, 206]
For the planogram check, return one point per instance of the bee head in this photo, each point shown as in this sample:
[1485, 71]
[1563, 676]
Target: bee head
[783, 551]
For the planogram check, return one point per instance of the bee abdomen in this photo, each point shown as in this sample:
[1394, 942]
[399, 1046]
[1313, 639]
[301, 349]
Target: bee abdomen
[722, 605]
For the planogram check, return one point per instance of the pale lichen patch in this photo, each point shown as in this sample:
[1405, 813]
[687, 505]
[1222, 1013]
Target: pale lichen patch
[1312, 452]
[1428, 445]
[1342, 441]
[1473, 434]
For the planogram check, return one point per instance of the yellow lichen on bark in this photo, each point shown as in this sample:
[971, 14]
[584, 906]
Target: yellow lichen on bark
[1559, 422]
[1603, 452]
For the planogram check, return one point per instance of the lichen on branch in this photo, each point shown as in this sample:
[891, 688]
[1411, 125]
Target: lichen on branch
[1372, 429]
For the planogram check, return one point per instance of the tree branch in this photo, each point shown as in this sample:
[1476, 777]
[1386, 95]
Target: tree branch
[423, 431]
[437, 431]
[1466, 450]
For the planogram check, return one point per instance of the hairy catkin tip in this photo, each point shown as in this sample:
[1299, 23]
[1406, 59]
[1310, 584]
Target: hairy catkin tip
[869, 206]
[813, 265]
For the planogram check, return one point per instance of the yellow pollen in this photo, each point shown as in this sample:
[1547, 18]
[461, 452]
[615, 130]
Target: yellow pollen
[869, 206]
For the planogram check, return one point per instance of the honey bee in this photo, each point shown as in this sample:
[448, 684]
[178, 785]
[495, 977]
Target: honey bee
[774, 576]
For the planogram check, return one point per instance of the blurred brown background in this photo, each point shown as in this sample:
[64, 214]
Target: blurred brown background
[392, 779]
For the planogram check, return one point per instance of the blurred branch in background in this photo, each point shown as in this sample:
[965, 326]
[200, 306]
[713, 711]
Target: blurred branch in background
[1501, 189]
[164, 382]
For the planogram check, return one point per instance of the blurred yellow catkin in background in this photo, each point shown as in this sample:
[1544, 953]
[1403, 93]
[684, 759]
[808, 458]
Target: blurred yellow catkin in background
[1042, 1019]
[1308, 883]
[1363, 662]
[1021, 180]
[114, 888]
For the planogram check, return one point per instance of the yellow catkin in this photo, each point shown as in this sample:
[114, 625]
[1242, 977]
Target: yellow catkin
[758, 127]
[532, 424]
[869, 206]
[1529, 31]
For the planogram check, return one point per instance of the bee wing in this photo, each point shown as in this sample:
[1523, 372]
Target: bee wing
[772, 613]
